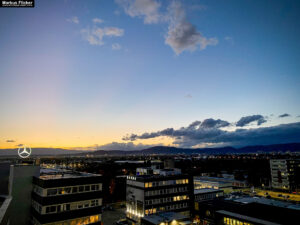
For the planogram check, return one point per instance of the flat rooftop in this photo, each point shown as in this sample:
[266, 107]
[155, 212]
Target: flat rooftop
[271, 202]
[206, 190]
[217, 179]
[166, 216]
[52, 174]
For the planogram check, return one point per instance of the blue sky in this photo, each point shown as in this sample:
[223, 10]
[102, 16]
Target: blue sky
[68, 80]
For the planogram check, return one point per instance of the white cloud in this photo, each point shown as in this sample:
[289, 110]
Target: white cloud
[95, 35]
[146, 9]
[182, 35]
[73, 20]
[97, 20]
[116, 46]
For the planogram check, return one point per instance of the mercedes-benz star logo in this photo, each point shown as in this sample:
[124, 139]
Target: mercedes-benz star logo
[24, 152]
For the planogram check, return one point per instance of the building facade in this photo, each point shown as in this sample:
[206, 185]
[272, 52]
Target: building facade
[285, 174]
[157, 190]
[67, 198]
[166, 218]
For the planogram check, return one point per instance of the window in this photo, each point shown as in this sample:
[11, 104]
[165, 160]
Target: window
[50, 209]
[75, 190]
[51, 192]
[60, 191]
[67, 190]
[94, 202]
[87, 188]
[81, 188]
[67, 207]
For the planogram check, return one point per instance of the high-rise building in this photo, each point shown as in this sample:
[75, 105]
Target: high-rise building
[20, 189]
[285, 174]
[66, 197]
[157, 190]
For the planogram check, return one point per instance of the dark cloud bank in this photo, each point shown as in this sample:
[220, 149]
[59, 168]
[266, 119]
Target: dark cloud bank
[284, 115]
[210, 132]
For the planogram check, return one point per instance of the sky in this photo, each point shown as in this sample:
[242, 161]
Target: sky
[129, 74]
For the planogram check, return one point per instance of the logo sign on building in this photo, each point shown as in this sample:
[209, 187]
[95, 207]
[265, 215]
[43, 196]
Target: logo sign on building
[24, 151]
[17, 3]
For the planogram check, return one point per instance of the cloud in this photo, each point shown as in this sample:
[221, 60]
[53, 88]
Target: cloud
[10, 141]
[182, 35]
[73, 20]
[20, 145]
[284, 133]
[146, 9]
[284, 115]
[208, 133]
[211, 123]
[188, 96]
[249, 119]
[116, 46]
[97, 20]
[95, 35]
[206, 125]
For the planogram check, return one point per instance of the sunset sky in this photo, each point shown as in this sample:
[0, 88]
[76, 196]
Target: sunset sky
[118, 74]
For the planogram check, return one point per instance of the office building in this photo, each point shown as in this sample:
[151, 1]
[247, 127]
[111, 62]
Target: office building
[245, 210]
[285, 174]
[66, 197]
[207, 194]
[152, 191]
[219, 183]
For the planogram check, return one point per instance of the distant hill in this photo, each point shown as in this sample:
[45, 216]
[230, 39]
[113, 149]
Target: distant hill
[291, 147]
[165, 150]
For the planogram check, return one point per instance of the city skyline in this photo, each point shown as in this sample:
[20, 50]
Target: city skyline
[140, 73]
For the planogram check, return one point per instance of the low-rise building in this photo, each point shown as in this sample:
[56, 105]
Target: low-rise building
[245, 210]
[219, 183]
[66, 197]
[157, 190]
[166, 218]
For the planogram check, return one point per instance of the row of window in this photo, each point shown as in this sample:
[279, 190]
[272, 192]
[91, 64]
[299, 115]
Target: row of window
[166, 182]
[231, 221]
[66, 206]
[166, 191]
[81, 221]
[165, 200]
[207, 196]
[166, 208]
[66, 190]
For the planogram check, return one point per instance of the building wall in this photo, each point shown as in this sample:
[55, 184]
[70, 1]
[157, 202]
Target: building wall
[72, 200]
[285, 174]
[4, 177]
[20, 190]
[146, 196]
